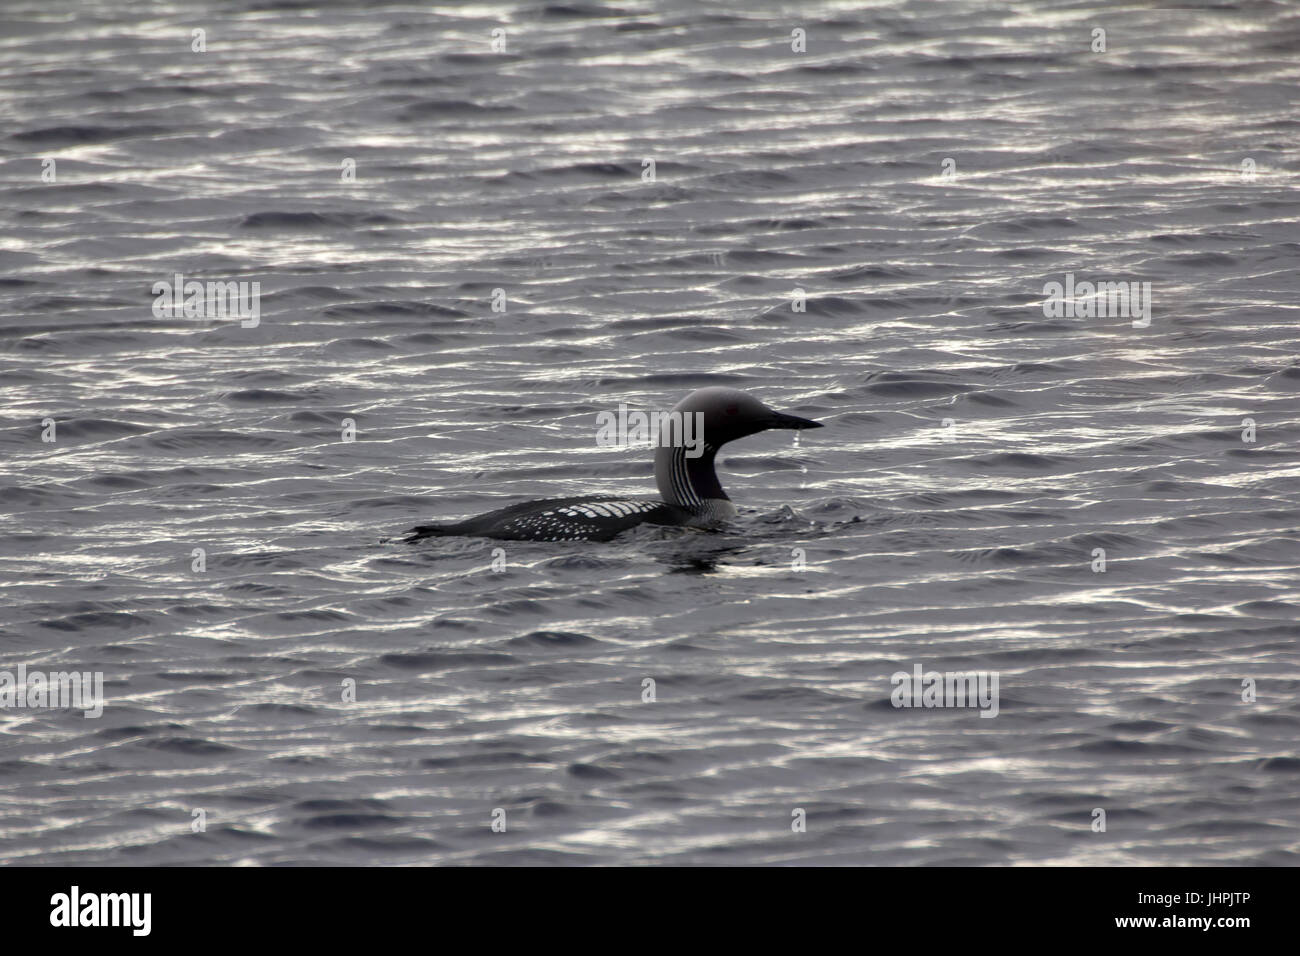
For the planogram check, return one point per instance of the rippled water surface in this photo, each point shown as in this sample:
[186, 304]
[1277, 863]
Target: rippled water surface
[977, 452]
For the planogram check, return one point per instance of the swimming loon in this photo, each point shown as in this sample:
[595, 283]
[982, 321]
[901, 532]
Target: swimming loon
[688, 486]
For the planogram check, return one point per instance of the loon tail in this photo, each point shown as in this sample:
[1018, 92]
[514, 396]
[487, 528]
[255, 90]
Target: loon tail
[421, 531]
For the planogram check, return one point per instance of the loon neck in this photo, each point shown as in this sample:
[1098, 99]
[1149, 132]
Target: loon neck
[687, 482]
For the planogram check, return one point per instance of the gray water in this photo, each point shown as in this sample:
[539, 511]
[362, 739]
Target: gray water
[978, 454]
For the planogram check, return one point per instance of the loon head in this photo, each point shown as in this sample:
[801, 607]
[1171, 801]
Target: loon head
[708, 419]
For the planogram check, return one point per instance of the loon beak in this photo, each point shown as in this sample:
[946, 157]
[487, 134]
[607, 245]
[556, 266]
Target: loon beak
[782, 420]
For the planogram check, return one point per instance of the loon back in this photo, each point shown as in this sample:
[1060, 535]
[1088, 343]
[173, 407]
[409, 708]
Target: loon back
[691, 493]
[585, 518]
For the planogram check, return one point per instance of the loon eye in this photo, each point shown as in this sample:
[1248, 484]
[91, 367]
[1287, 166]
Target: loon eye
[733, 409]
